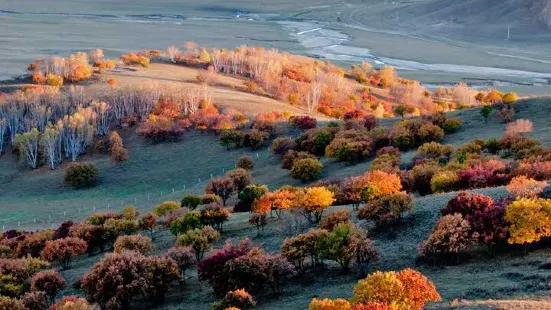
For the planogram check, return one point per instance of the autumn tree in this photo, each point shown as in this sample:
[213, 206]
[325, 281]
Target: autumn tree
[48, 281]
[184, 258]
[528, 218]
[313, 201]
[64, 250]
[307, 169]
[117, 150]
[224, 187]
[148, 222]
[522, 186]
[200, 240]
[449, 237]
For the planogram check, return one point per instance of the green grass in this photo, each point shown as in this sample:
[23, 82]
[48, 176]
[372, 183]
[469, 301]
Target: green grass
[152, 168]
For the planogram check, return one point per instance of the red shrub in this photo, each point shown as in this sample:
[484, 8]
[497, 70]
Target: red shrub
[64, 250]
[355, 114]
[303, 122]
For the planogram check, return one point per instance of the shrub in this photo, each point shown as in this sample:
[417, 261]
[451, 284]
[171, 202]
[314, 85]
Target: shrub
[282, 145]
[166, 207]
[49, 282]
[92, 234]
[248, 195]
[245, 162]
[114, 228]
[255, 138]
[161, 272]
[33, 244]
[313, 201]
[347, 242]
[422, 175]
[329, 304]
[184, 258]
[291, 156]
[130, 213]
[214, 215]
[407, 289]
[370, 122]
[522, 186]
[434, 150]
[191, 201]
[380, 183]
[329, 221]
[211, 268]
[451, 125]
[136, 243]
[117, 150]
[259, 220]
[449, 237]
[391, 151]
[306, 169]
[303, 122]
[34, 301]
[254, 272]
[240, 177]
[315, 140]
[239, 299]
[64, 250]
[222, 187]
[7, 303]
[227, 137]
[429, 133]
[200, 240]
[538, 170]
[387, 209]
[63, 230]
[80, 175]
[116, 279]
[189, 221]
[468, 205]
[350, 145]
[509, 98]
[444, 181]
[311, 244]
[210, 198]
[527, 216]
[54, 80]
[72, 303]
[401, 138]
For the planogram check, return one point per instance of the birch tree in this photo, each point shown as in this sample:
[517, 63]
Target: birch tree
[27, 143]
[3, 127]
[50, 143]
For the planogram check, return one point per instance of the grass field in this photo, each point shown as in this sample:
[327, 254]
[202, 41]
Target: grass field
[156, 168]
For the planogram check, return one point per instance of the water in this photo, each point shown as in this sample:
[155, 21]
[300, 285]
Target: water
[31, 29]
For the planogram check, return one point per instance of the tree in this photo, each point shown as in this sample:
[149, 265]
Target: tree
[161, 272]
[183, 224]
[80, 175]
[529, 219]
[166, 207]
[379, 183]
[400, 110]
[7, 303]
[117, 150]
[191, 201]
[239, 299]
[27, 143]
[486, 110]
[116, 279]
[214, 215]
[148, 222]
[72, 303]
[248, 196]
[184, 258]
[509, 98]
[307, 169]
[449, 237]
[48, 281]
[50, 142]
[519, 127]
[223, 187]
[136, 243]
[407, 289]
[200, 240]
[64, 250]
[387, 209]
[245, 162]
[34, 300]
[313, 201]
[259, 220]
[130, 213]
[240, 177]
[329, 304]
[329, 221]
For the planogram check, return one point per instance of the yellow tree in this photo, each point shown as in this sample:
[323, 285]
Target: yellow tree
[530, 220]
[313, 201]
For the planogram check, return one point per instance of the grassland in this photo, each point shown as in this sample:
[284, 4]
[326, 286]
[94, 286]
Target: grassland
[158, 172]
